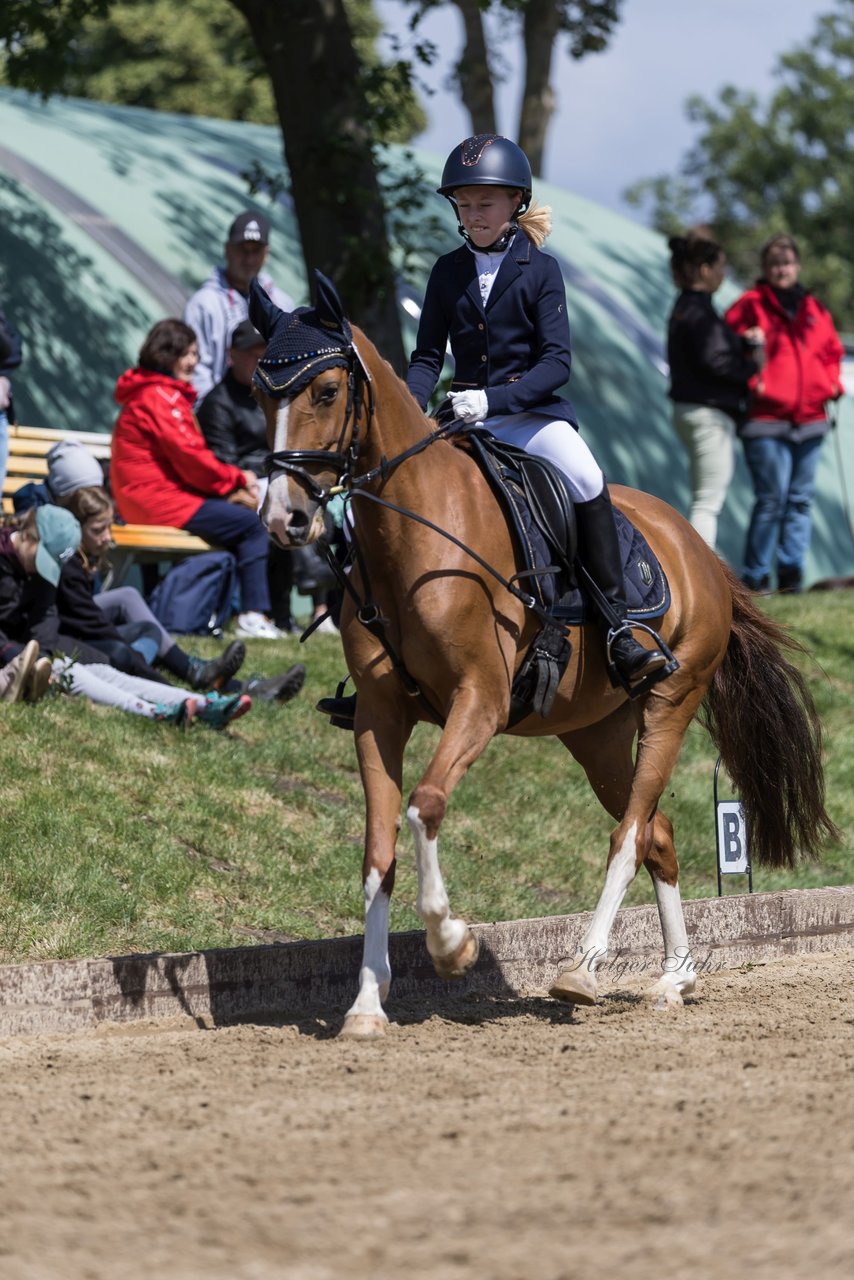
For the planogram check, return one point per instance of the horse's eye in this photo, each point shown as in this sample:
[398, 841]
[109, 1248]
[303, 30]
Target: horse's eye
[327, 394]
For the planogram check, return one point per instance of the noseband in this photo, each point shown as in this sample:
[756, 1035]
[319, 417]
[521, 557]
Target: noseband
[341, 460]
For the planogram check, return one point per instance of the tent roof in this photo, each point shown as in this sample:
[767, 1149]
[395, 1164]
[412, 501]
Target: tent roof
[111, 216]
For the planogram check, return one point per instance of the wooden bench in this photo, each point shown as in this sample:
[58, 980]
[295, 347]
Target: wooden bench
[134, 544]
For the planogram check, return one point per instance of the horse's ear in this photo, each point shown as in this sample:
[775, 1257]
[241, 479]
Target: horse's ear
[329, 307]
[263, 311]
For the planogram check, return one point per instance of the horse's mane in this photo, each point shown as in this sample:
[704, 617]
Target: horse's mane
[390, 389]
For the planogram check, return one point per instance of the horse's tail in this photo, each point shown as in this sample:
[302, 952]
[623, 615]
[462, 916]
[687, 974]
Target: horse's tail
[762, 719]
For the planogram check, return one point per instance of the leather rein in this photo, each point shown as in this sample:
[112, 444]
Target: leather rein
[342, 461]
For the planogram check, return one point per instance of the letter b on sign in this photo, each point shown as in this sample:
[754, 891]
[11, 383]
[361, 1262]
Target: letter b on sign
[732, 838]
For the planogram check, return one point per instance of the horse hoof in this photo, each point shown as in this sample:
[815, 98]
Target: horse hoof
[574, 986]
[665, 996]
[363, 1026]
[457, 964]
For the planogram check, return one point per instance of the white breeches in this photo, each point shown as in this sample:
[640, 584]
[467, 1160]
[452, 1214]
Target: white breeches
[556, 441]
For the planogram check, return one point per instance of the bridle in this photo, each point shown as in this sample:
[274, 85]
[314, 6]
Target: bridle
[360, 393]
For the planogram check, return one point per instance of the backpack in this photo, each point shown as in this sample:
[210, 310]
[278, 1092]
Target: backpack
[195, 598]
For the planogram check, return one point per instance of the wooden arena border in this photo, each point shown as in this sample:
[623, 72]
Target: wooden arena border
[293, 980]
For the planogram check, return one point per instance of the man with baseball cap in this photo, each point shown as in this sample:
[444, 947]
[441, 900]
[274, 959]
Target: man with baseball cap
[217, 308]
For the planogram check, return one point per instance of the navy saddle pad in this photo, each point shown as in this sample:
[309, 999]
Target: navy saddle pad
[647, 592]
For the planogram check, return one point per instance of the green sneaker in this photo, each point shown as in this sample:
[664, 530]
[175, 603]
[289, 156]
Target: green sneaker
[180, 714]
[220, 709]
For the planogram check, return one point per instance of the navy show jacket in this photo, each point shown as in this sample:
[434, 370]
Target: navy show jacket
[516, 348]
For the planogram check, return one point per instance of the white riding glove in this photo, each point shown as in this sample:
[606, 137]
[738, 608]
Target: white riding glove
[469, 406]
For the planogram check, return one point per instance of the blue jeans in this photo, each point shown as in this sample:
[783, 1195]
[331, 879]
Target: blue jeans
[241, 532]
[783, 476]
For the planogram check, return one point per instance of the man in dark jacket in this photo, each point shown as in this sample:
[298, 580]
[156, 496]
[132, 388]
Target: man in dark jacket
[235, 429]
[230, 417]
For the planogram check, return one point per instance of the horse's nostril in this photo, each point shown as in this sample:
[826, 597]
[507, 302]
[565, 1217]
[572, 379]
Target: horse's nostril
[298, 522]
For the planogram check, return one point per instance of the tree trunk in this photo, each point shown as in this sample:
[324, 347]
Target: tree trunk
[541, 25]
[307, 47]
[472, 72]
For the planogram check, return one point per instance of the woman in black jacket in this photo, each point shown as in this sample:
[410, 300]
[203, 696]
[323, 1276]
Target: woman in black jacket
[710, 369]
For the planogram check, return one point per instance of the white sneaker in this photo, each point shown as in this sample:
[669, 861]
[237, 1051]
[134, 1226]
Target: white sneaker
[256, 627]
[327, 628]
[13, 677]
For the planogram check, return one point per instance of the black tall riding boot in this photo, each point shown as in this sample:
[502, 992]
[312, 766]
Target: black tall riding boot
[599, 553]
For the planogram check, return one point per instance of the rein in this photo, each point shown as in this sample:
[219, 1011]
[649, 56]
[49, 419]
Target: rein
[342, 461]
[292, 462]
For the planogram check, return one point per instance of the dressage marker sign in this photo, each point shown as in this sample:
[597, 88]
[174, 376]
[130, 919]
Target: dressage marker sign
[731, 838]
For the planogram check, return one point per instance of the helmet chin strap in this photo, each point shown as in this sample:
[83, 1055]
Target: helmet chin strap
[497, 246]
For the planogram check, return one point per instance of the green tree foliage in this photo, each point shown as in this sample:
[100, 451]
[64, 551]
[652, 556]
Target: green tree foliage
[333, 103]
[585, 25]
[783, 166]
[198, 57]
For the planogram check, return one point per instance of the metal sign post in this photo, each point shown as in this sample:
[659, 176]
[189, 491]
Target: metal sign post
[731, 838]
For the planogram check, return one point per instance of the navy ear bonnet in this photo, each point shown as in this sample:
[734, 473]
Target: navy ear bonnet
[302, 343]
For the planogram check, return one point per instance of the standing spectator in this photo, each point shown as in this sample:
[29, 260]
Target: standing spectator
[216, 309]
[10, 358]
[709, 374]
[162, 471]
[788, 417]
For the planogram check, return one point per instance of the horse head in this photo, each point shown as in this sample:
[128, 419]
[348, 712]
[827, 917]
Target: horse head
[309, 383]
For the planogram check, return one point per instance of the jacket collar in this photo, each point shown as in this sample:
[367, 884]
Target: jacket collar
[517, 256]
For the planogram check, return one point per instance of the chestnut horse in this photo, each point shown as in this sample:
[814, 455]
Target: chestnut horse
[339, 418]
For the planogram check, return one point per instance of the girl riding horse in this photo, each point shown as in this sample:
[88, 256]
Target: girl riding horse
[502, 305]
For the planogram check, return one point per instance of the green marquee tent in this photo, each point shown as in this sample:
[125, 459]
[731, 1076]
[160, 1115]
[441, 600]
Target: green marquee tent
[111, 216]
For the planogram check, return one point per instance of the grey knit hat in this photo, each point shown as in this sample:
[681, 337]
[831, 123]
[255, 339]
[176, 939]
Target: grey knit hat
[71, 466]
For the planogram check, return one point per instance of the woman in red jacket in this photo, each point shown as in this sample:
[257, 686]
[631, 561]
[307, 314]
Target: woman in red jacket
[162, 471]
[788, 416]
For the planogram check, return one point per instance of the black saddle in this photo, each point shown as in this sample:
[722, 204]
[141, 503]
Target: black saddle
[541, 516]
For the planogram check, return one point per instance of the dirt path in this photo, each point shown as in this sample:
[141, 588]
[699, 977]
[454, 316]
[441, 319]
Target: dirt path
[498, 1140]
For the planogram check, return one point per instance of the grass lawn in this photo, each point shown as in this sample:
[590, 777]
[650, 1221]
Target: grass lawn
[120, 835]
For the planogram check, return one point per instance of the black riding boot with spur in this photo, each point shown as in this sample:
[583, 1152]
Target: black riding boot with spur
[599, 554]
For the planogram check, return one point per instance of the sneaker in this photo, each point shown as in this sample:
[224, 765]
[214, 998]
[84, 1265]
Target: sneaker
[327, 628]
[220, 709]
[179, 714]
[38, 680]
[277, 688]
[14, 676]
[255, 626]
[216, 673]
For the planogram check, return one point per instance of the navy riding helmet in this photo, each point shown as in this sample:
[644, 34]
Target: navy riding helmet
[487, 160]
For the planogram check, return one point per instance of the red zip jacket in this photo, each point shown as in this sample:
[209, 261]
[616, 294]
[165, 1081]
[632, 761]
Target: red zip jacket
[161, 469]
[804, 355]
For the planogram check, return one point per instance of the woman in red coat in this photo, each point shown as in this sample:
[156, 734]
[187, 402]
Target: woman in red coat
[788, 416]
[162, 471]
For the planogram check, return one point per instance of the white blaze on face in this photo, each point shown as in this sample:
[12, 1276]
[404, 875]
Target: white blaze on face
[276, 512]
